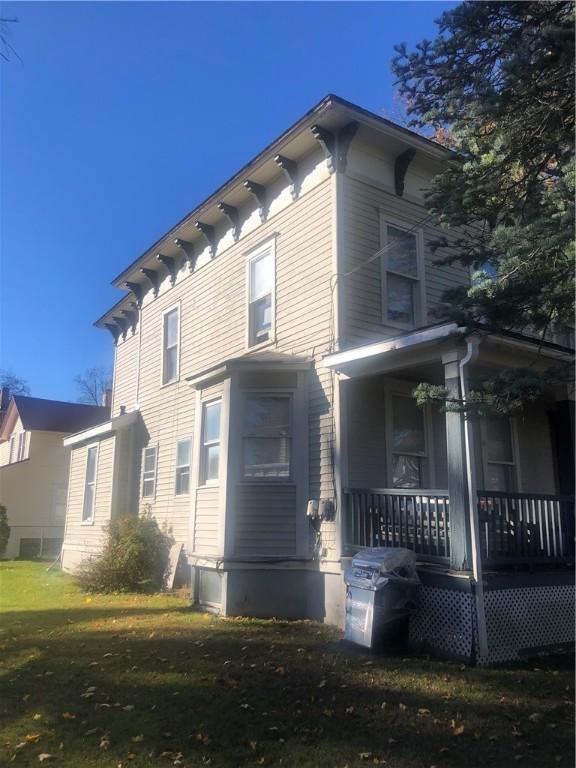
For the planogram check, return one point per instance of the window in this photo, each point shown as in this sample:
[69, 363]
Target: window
[210, 441]
[12, 453]
[90, 484]
[260, 295]
[21, 446]
[499, 453]
[267, 437]
[408, 442]
[182, 467]
[149, 474]
[400, 276]
[171, 334]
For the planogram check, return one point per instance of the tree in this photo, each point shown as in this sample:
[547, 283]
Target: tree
[93, 384]
[14, 384]
[499, 81]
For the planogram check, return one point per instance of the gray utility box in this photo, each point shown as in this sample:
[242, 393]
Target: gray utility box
[381, 591]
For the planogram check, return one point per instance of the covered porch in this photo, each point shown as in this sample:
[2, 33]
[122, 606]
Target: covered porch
[474, 498]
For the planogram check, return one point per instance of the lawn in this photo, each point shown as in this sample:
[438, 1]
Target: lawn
[129, 680]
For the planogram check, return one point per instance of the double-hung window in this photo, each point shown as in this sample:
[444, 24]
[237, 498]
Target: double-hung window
[149, 473]
[12, 451]
[401, 276]
[90, 484]
[170, 345]
[267, 437]
[499, 454]
[408, 442]
[210, 459]
[261, 280]
[21, 446]
[182, 467]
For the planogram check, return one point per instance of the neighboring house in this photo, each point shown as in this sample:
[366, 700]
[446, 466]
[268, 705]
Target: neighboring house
[265, 352]
[34, 470]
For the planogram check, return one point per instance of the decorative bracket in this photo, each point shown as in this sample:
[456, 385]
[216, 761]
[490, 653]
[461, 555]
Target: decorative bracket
[132, 318]
[136, 290]
[345, 137]
[114, 330]
[170, 265]
[122, 324]
[400, 167]
[327, 142]
[231, 214]
[290, 169]
[209, 235]
[152, 276]
[188, 249]
[259, 193]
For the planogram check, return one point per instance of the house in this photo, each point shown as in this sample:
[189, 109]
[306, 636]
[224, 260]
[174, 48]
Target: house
[265, 351]
[34, 469]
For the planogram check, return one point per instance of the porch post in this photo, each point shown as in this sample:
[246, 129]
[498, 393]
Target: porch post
[457, 485]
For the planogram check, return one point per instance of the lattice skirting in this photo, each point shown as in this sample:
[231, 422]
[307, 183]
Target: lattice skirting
[524, 621]
[444, 622]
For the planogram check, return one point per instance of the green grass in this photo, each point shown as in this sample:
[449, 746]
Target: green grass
[128, 680]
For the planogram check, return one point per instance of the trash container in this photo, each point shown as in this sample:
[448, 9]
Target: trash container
[381, 589]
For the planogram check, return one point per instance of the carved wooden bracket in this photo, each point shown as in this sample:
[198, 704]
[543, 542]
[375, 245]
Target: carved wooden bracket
[259, 193]
[231, 214]
[136, 291]
[114, 330]
[152, 276]
[335, 148]
[122, 323]
[401, 165]
[327, 142]
[132, 318]
[188, 249]
[209, 235]
[170, 265]
[345, 137]
[290, 169]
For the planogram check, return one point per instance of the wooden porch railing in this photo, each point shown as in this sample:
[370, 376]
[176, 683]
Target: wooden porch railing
[391, 517]
[518, 528]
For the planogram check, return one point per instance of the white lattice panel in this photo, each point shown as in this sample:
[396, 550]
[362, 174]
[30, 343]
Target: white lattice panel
[444, 621]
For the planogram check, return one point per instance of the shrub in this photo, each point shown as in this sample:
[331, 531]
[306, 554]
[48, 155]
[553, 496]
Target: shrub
[4, 529]
[134, 557]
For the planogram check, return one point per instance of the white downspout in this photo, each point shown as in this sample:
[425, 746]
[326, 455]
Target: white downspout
[471, 355]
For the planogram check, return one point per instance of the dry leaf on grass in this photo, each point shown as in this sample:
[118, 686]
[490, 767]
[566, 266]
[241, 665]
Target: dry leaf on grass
[44, 756]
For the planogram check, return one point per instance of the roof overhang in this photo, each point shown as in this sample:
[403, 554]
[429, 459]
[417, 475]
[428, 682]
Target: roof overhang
[101, 430]
[275, 362]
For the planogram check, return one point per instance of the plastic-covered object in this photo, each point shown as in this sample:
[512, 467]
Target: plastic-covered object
[381, 588]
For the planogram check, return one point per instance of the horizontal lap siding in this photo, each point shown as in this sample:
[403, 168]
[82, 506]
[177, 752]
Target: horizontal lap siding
[362, 203]
[266, 520]
[77, 534]
[125, 373]
[213, 329]
[207, 521]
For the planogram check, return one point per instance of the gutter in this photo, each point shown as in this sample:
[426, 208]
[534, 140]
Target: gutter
[473, 343]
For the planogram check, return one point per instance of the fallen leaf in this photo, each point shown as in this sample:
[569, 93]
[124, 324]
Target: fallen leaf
[402, 707]
[137, 739]
[32, 738]
[37, 716]
[68, 716]
[322, 684]
[44, 756]
[104, 743]
[128, 708]
[458, 730]
[20, 746]
[364, 755]
[349, 710]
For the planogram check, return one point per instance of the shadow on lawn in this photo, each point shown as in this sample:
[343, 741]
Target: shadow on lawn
[233, 693]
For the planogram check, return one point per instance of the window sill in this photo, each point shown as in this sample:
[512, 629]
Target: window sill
[262, 345]
[88, 522]
[169, 383]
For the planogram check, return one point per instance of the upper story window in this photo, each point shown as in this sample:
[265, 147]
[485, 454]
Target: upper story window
[408, 442]
[182, 467]
[261, 285]
[90, 484]
[499, 461]
[170, 345]
[149, 474]
[401, 276]
[210, 459]
[267, 437]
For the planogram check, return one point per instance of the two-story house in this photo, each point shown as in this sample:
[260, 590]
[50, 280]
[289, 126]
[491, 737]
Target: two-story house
[266, 348]
[34, 469]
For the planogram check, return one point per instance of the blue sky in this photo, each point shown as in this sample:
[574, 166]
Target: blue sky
[123, 116]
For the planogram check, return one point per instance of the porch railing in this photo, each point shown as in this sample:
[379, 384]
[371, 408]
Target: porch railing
[518, 528]
[390, 517]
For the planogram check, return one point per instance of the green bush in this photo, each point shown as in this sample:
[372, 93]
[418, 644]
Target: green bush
[4, 529]
[134, 557]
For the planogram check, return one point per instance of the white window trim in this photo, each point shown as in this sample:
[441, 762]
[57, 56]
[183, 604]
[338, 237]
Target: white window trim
[420, 289]
[22, 440]
[179, 466]
[289, 394]
[251, 255]
[163, 349]
[515, 463]
[152, 497]
[428, 464]
[11, 448]
[202, 481]
[90, 520]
